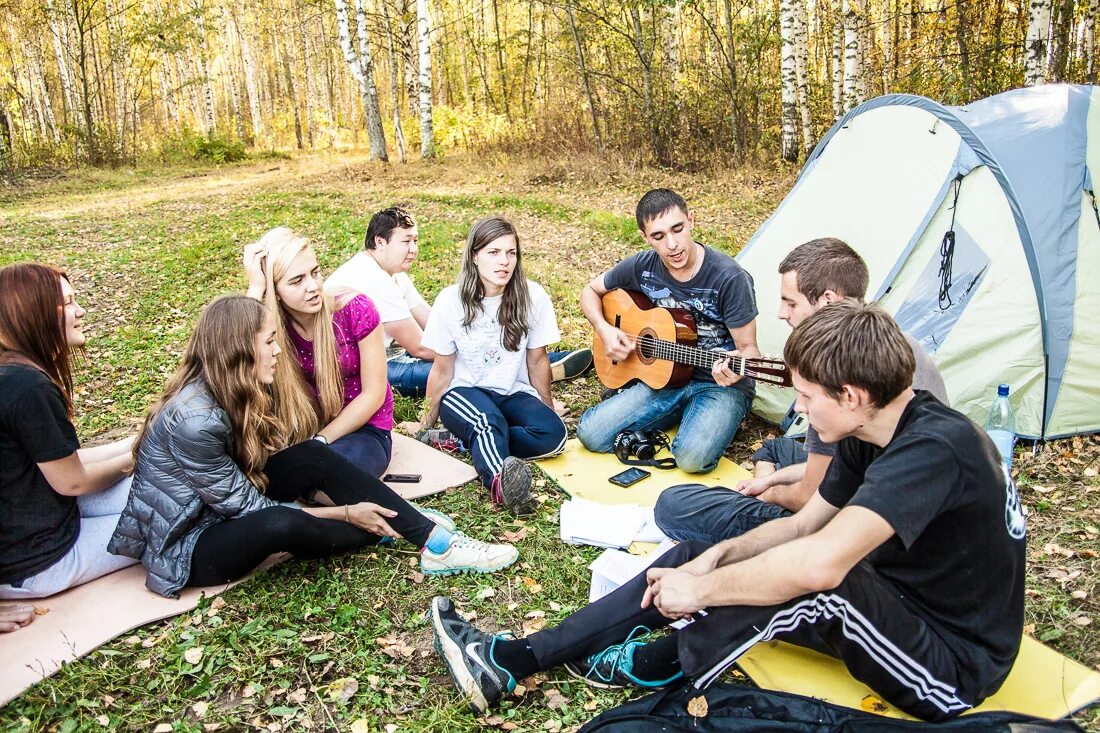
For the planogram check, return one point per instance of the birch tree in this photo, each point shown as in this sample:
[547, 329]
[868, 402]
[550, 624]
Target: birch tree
[837, 60]
[1091, 9]
[584, 77]
[788, 81]
[852, 62]
[802, 76]
[424, 46]
[398, 132]
[362, 68]
[1036, 44]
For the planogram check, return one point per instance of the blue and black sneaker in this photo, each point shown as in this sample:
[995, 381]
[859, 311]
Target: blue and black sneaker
[468, 653]
[614, 666]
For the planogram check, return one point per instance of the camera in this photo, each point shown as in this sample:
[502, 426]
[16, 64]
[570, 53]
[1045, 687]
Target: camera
[640, 447]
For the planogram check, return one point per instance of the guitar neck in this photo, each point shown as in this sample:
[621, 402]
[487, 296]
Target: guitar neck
[691, 355]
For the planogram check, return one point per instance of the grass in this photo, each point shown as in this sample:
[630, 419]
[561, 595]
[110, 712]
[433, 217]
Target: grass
[146, 249]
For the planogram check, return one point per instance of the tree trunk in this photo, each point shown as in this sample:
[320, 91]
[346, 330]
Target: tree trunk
[424, 46]
[852, 65]
[584, 77]
[501, 70]
[362, 68]
[788, 82]
[1037, 42]
[837, 57]
[250, 88]
[802, 75]
[1092, 6]
[731, 62]
[208, 98]
[60, 37]
[395, 98]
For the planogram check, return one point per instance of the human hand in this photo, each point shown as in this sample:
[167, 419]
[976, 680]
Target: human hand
[723, 374]
[753, 486]
[701, 564]
[617, 345]
[253, 261]
[372, 517]
[673, 592]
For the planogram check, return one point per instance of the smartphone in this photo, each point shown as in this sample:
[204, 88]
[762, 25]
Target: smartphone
[402, 478]
[629, 477]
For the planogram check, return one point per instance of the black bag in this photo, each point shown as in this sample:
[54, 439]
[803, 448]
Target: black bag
[739, 708]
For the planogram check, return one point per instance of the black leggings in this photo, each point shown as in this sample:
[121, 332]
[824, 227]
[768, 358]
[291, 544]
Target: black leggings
[232, 548]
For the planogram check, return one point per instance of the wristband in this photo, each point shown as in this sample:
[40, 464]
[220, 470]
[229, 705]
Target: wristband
[320, 439]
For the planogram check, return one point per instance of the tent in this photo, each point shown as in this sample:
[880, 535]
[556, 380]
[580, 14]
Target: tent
[1013, 294]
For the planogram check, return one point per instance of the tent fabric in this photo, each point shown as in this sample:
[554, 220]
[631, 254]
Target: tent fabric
[1027, 242]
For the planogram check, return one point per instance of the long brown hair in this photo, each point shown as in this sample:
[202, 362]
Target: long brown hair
[222, 352]
[293, 402]
[515, 306]
[32, 323]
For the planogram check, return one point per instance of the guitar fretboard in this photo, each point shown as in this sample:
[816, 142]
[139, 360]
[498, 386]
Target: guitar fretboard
[657, 348]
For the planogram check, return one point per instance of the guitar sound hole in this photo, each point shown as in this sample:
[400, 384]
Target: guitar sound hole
[647, 345]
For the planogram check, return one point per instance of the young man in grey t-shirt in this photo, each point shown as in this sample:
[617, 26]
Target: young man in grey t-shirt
[813, 275]
[677, 272]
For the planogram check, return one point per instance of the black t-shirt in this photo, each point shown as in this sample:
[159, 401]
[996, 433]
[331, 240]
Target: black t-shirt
[957, 555]
[719, 297]
[37, 524]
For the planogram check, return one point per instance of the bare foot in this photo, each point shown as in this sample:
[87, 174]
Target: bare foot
[15, 617]
[560, 408]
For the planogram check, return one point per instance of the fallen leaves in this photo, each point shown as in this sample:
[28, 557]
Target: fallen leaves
[697, 707]
[343, 689]
[193, 655]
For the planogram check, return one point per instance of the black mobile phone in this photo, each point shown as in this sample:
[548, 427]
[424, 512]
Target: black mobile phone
[402, 478]
[629, 477]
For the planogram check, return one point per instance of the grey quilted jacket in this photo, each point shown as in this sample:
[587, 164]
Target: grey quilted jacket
[185, 481]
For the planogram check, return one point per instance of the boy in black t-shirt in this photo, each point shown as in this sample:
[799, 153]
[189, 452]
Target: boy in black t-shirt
[677, 272]
[907, 564]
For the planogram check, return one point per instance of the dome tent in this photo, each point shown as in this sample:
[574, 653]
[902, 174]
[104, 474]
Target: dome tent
[1012, 294]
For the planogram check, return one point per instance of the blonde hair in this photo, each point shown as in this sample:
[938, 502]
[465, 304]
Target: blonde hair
[222, 352]
[293, 401]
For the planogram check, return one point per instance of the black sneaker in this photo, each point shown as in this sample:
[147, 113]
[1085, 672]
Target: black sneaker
[512, 487]
[572, 365]
[468, 653]
[614, 666]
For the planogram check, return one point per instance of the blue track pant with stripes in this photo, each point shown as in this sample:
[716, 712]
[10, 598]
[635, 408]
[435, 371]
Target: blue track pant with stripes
[494, 426]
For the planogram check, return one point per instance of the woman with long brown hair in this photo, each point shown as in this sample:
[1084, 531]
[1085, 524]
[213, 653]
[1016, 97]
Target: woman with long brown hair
[60, 502]
[212, 449]
[490, 382]
[335, 390]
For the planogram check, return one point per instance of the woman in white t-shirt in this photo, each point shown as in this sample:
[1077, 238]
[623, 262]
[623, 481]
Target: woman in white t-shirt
[490, 383]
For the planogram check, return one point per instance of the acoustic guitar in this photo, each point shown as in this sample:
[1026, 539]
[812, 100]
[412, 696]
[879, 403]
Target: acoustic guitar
[666, 354]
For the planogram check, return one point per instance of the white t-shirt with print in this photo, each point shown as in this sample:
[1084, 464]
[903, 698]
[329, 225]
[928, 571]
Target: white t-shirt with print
[395, 296]
[482, 361]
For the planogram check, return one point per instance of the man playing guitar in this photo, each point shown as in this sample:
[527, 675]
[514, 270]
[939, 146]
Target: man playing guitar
[677, 272]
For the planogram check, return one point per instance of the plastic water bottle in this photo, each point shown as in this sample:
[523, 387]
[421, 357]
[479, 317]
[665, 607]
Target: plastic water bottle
[1001, 425]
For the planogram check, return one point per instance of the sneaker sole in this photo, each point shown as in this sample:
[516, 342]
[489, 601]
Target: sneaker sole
[454, 657]
[519, 503]
[479, 570]
[562, 367]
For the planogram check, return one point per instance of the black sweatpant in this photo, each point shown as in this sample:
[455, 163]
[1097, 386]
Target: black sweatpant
[884, 643]
[231, 549]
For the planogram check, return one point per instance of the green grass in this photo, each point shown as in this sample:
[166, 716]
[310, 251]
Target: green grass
[146, 249]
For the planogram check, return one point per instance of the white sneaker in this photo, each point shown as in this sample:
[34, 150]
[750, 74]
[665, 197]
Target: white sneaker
[467, 555]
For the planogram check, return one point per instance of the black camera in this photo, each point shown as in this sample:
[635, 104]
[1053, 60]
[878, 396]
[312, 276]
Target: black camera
[640, 447]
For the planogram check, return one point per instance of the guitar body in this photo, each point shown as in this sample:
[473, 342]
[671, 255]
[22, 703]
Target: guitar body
[637, 316]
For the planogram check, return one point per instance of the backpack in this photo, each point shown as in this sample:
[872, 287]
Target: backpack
[733, 707]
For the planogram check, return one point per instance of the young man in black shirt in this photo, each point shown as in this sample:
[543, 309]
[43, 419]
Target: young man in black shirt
[677, 272]
[907, 564]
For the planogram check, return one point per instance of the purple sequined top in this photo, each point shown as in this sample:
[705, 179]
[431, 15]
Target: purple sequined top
[351, 324]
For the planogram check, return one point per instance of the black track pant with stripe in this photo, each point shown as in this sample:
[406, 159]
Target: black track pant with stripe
[863, 622]
[494, 426]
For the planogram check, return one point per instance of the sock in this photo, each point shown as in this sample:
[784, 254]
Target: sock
[439, 540]
[515, 655]
[657, 660]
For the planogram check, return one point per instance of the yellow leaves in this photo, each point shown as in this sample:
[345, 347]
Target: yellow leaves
[193, 655]
[872, 704]
[697, 707]
[343, 689]
[554, 699]
[532, 585]
[393, 647]
[200, 708]
[362, 725]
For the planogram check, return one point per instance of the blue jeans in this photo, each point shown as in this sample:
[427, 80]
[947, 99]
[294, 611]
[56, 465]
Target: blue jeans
[409, 375]
[495, 426]
[782, 452]
[708, 414]
[369, 448]
[710, 513]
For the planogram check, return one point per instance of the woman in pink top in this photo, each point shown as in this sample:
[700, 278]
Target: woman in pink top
[338, 394]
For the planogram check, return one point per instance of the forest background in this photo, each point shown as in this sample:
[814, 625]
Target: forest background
[679, 83]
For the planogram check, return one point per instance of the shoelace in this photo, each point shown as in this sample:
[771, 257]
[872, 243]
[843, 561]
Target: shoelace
[613, 655]
[496, 493]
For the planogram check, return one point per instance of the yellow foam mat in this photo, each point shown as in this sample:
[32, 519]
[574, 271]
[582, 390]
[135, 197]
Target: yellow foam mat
[584, 475]
[1042, 683]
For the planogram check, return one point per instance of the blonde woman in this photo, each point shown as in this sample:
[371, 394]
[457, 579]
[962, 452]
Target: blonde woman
[336, 392]
[215, 485]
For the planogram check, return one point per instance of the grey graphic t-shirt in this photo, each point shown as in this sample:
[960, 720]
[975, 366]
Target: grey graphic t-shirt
[719, 297]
